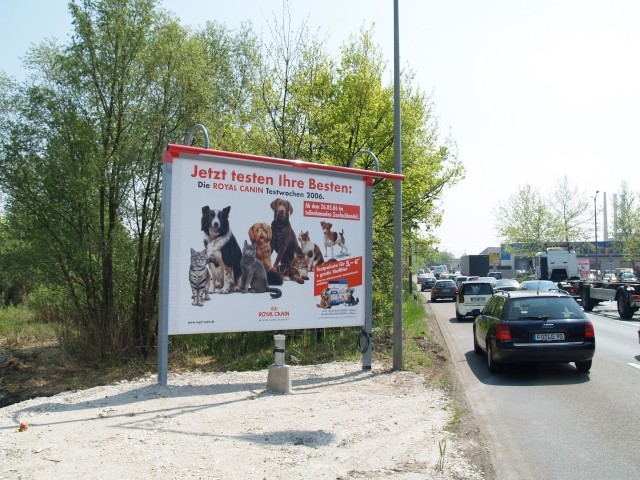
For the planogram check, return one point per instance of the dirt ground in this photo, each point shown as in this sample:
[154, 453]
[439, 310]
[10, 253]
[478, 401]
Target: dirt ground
[338, 422]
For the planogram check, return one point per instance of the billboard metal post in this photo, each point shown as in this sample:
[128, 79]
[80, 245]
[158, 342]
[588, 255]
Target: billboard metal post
[367, 331]
[163, 313]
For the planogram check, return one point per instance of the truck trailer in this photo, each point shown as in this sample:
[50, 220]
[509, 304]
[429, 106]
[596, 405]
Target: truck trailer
[625, 294]
[474, 265]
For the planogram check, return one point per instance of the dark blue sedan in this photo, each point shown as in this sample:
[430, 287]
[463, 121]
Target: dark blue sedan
[534, 326]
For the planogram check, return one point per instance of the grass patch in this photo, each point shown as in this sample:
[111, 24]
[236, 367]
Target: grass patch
[456, 414]
[254, 350]
[34, 362]
[19, 329]
[422, 353]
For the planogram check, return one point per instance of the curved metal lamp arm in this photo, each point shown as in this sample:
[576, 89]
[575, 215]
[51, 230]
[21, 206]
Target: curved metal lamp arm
[361, 152]
[188, 139]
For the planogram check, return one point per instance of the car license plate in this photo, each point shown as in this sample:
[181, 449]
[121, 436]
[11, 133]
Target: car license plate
[548, 337]
[476, 300]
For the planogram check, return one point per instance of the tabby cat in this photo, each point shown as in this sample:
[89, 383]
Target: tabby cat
[199, 277]
[297, 270]
[254, 275]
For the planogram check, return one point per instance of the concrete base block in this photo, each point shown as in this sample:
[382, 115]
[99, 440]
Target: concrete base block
[279, 379]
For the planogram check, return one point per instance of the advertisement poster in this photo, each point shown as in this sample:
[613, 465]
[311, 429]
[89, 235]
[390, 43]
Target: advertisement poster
[308, 229]
[583, 268]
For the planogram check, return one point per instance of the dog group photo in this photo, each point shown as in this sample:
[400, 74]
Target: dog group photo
[261, 258]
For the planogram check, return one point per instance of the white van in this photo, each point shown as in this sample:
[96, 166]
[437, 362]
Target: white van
[472, 297]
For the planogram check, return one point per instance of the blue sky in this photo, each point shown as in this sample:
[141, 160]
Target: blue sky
[531, 90]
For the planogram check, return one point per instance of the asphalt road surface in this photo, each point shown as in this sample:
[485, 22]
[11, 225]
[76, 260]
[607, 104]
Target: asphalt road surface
[548, 421]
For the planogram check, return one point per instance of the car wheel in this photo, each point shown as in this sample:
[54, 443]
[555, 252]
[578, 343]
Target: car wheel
[422, 288]
[458, 316]
[624, 309]
[584, 367]
[587, 303]
[476, 348]
[491, 363]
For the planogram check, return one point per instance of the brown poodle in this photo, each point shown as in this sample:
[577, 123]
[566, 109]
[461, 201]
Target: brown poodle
[260, 234]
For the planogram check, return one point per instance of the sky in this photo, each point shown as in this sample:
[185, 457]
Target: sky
[530, 90]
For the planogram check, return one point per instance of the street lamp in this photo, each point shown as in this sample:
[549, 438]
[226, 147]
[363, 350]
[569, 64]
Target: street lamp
[595, 220]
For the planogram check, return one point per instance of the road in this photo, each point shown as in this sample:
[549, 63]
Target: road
[547, 421]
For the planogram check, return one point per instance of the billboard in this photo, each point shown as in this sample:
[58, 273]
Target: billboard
[307, 222]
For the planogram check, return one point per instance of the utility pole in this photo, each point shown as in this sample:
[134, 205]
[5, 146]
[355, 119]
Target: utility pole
[595, 219]
[397, 192]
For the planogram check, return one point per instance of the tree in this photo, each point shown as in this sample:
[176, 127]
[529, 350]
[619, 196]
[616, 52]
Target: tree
[524, 222]
[82, 163]
[361, 118]
[295, 83]
[82, 142]
[627, 224]
[233, 60]
[312, 108]
[570, 210]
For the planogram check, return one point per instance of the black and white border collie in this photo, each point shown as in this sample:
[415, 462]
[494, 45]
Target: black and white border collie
[223, 250]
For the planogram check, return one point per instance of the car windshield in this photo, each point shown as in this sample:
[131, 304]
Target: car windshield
[544, 308]
[539, 285]
[508, 282]
[491, 280]
[478, 289]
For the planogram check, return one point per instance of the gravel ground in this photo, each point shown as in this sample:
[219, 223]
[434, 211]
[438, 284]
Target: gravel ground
[338, 422]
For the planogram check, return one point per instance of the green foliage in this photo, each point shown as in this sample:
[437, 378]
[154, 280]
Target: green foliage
[416, 334]
[627, 225]
[82, 163]
[524, 219]
[19, 328]
[571, 211]
[254, 350]
[413, 317]
[81, 148]
[47, 304]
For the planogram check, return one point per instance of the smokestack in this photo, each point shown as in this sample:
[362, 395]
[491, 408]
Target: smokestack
[605, 223]
[615, 215]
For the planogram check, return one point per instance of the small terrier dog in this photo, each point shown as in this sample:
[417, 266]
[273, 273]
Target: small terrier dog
[331, 239]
